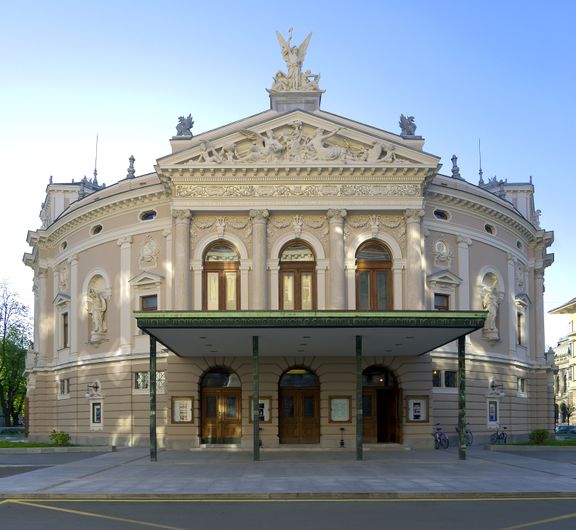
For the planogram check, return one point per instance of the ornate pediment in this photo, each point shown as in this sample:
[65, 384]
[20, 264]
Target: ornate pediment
[444, 279]
[61, 299]
[146, 279]
[297, 143]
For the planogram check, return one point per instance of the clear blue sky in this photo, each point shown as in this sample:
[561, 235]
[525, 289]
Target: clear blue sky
[500, 71]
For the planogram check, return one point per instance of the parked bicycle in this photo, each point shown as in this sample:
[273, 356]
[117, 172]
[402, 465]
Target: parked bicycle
[468, 436]
[499, 436]
[440, 438]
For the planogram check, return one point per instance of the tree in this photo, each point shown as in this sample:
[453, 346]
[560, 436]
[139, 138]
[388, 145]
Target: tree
[14, 343]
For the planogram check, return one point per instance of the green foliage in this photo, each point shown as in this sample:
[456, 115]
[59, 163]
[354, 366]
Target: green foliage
[60, 438]
[539, 436]
[14, 344]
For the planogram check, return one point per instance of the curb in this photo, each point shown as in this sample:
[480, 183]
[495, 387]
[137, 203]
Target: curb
[46, 450]
[295, 497]
[528, 448]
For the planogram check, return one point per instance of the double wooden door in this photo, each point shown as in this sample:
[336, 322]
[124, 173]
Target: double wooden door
[382, 415]
[299, 415]
[221, 415]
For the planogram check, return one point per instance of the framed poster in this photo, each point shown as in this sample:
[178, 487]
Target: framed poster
[492, 411]
[263, 409]
[417, 408]
[340, 409]
[182, 410]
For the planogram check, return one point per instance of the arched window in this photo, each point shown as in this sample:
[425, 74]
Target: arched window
[221, 277]
[373, 277]
[297, 277]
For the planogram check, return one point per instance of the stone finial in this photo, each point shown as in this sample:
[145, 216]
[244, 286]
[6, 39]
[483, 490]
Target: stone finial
[455, 168]
[131, 170]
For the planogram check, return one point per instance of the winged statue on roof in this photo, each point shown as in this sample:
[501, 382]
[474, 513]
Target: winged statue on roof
[294, 79]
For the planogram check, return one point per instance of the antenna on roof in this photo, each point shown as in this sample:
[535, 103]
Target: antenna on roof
[480, 172]
[96, 161]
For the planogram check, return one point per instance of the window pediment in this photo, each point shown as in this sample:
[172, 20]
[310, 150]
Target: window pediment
[146, 279]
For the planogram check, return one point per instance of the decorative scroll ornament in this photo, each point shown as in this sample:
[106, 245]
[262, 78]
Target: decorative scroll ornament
[296, 142]
[294, 80]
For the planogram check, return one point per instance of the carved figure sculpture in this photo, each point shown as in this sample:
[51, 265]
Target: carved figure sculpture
[209, 154]
[184, 126]
[294, 57]
[149, 254]
[407, 125]
[320, 151]
[265, 146]
[96, 307]
[490, 303]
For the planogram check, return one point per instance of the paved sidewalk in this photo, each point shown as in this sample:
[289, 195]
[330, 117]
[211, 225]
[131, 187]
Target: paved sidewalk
[422, 473]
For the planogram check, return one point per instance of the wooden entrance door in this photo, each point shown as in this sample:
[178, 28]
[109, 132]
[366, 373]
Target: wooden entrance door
[381, 412]
[299, 415]
[221, 415]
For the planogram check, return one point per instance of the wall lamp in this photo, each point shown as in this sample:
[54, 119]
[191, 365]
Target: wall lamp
[495, 387]
[92, 389]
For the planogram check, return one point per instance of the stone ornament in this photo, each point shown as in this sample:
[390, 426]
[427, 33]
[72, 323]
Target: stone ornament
[184, 127]
[407, 125]
[491, 299]
[96, 307]
[442, 254]
[149, 251]
[296, 142]
[63, 279]
[294, 80]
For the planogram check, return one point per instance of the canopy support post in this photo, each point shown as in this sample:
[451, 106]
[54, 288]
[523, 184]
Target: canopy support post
[462, 397]
[152, 383]
[359, 411]
[256, 397]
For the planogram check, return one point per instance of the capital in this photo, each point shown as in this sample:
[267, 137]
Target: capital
[181, 216]
[463, 241]
[414, 216]
[124, 241]
[336, 215]
[259, 215]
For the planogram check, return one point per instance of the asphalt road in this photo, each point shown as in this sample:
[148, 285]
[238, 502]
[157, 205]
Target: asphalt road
[484, 514]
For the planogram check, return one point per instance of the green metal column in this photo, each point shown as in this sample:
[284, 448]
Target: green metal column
[152, 382]
[256, 397]
[462, 397]
[359, 411]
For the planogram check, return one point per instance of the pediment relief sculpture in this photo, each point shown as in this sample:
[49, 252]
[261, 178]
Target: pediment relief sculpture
[297, 142]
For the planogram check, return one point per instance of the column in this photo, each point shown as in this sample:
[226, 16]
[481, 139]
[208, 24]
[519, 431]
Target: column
[415, 272]
[511, 300]
[125, 244]
[259, 259]
[74, 318]
[397, 269]
[539, 315]
[44, 329]
[168, 271]
[182, 260]
[464, 272]
[336, 259]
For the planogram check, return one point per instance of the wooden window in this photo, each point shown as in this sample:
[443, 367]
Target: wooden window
[519, 328]
[297, 277]
[373, 277]
[221, 278]
[441, 302]
[65, 330]
[149, 302]
[64, 389]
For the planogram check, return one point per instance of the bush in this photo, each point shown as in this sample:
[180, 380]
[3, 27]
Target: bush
[60, 438]
[539, 436]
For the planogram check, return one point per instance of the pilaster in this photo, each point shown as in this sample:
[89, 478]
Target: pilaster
[464, 272]
[74, 318]
[511, 301]
[125, 244]
[415, 272]
[259, 262]
[182, 259]
[336, 259]
[168, 269]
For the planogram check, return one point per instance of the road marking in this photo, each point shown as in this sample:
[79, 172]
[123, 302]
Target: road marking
[542, 521]
[90, 514]
[303, 500]
[5, 500]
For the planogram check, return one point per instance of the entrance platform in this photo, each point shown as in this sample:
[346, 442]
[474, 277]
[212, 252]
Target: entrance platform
[129, 473]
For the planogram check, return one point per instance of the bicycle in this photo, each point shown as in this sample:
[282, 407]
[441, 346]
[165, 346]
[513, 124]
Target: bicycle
[499, 436]
[468, 436]
[440, 438]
